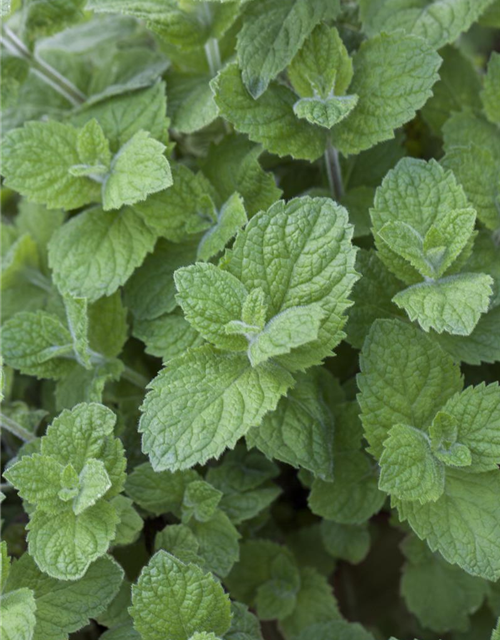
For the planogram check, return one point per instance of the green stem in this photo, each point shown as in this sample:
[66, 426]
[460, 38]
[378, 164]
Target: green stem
[134, 377]
[212, 50]
[333, 171]
[43, 70]
[15, 428]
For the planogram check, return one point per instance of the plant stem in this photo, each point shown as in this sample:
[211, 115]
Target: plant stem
[38, 279]
[15, 428]
[333, 171]
[212, 51]
[134, 377]
[43, 70]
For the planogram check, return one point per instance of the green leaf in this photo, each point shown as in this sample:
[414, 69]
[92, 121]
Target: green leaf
[36, 163]
[37, 344]
[476, 169]
[393, 78]
[244, 625]
[108, 330]
[150, 292]
[439, 22]
[421, 224]
[21, 257]
[325, 112]
[335, 629]
[184, 209]
[453, 304]
[300, 431]
[439, 594]
[218, 545]
[292, 328]
[94, 482]
[122, 116]
[200, 501]
[315, 603]
[273, 32]
[190, 101]
[399, 362]
[65, 546]
[408, 469]
[323, 66]
[63, 607]
[233, 166]
[345, 541]
[37, 479]
[84, 433]
[172, 601]
[230, 219]
[130, 525]
[210, 298]
[461, 525]
[444, 433]
[115, 243]
[490, 95]
[458, 87]
[159, 492]
[17, 620]
[181, 542]
[137, 170]
[203, 402]
[42, 18]
[266, 576]
[92, 145]
[168, 336]
[270, 119]
[353, 497]
[476, 412]
[309, 261]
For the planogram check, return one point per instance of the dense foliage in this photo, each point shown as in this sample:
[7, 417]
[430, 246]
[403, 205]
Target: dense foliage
[250, 320]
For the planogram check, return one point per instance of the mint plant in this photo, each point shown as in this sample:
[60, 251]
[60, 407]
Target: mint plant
[250, 320]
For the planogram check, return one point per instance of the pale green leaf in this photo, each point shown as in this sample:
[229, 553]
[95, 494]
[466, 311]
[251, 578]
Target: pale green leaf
[37, 479]
[393, 78]
[421, 219]
[439, 22]
[168, 336]
[77, 318]
[66, 606]
[300, 430]
[270, 119]
[137, 170]
[65, 546]
[476, 412]
[273, 32]
[94, 482]
[37, 344]
[310, 260]
[200, 501]
[325, 112]
[130, 525]
[161, 492]
[203, 402]
[36, 163]
[231, 217]
[462, 524]
[218, 545]
[171, 601]
[97, 251]
[438, 593]
[17, 619]
[491, 92]
[323, 66]
[402, 363]
[453, 304]
[190, 101]
[210, 298]
[408, 468]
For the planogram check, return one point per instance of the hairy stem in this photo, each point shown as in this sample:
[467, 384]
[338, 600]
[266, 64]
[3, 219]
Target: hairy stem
[15, 428]
[43, 70]
[333, 171]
